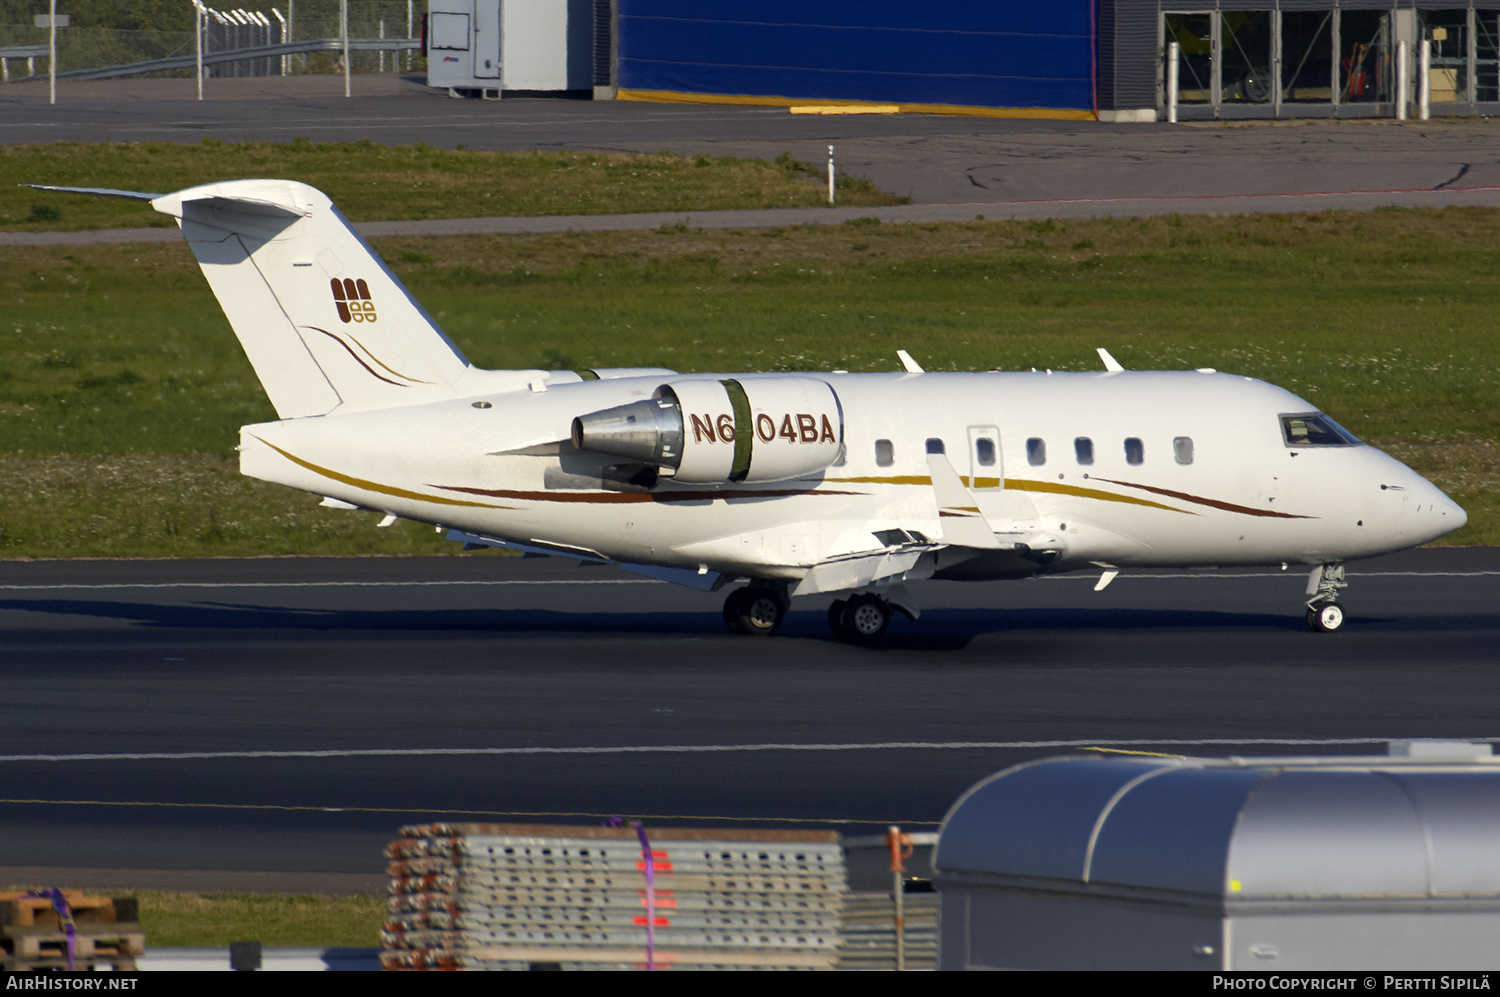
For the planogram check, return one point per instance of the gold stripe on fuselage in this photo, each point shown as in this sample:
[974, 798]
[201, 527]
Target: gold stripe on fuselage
[375, 486]
[1020, 485]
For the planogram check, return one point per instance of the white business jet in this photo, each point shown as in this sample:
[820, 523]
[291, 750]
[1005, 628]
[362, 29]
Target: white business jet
[856, 485]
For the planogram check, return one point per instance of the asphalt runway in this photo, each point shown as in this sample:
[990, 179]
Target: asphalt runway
[271, 721]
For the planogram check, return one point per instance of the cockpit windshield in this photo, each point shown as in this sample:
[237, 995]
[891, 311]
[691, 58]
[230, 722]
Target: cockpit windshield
[1313, 429]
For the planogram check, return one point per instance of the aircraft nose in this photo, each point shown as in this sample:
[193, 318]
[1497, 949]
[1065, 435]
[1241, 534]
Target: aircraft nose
[1435, 513]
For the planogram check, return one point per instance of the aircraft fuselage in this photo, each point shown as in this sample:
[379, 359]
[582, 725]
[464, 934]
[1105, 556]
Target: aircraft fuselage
[1185, 469]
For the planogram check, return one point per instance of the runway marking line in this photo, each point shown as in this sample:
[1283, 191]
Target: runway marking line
[1083, 576]
[1116, 746]
[685, 749]
[298, 585]
[1133, 753]
[470, 813]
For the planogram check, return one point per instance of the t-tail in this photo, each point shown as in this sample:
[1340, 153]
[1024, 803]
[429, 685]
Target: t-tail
[325, 323]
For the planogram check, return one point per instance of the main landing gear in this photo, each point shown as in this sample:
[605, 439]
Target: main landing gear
[759, 610]
[755, 611]
[860, 619]
[1324, 614]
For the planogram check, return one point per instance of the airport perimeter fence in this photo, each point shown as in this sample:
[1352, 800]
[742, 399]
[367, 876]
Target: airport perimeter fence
[100, 51]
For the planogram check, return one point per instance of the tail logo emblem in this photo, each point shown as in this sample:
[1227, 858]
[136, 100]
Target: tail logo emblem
[353, 300]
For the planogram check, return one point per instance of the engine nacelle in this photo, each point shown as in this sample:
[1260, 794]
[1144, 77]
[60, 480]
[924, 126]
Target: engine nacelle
[712, 432]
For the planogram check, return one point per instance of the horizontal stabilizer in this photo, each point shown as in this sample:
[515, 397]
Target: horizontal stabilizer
[128, 195]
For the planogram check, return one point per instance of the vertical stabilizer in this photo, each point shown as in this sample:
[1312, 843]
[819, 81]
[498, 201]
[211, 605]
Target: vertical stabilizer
[325, 323]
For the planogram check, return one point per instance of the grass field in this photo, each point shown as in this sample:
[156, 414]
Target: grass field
[373, 182]
[121, 387]
[193, 920]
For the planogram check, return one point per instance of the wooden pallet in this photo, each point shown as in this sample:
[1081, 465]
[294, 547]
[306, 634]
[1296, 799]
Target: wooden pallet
[122, 964]
[17, 909]
[48, 943]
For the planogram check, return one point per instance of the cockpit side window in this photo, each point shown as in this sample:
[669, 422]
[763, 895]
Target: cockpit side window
[1313, 429]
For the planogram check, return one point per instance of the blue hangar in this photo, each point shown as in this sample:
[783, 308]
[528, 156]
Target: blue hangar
[1070, 59]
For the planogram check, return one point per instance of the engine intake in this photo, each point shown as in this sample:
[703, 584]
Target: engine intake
[716, 432]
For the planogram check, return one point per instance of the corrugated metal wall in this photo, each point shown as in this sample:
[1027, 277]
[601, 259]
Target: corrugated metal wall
[996, 54]
[1127, 54]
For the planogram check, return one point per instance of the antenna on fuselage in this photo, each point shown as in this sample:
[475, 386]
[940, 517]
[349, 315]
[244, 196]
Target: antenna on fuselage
[912, 367]
[1110, 363]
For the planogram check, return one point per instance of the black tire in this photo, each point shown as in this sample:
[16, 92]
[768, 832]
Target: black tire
[1326, 618]
[732, 610]
[836, 619]
[759, 612]
[866, 618]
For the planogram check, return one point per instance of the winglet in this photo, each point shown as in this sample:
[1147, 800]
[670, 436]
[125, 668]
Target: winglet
[958, 513]
[1110, 363]
[912, 367]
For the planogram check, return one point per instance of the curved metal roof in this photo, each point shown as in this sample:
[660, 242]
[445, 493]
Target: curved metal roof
[1241, 828]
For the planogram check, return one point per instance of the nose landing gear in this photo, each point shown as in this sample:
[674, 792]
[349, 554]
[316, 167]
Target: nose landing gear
[1324, 613]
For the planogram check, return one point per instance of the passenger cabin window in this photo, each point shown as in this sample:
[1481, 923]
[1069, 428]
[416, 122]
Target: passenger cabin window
[1036, 451]
[984, 451]
[1135, 451]
[1315, 430]
[885, 453]
[1182, 449]
[935, 445]
[1083, 449]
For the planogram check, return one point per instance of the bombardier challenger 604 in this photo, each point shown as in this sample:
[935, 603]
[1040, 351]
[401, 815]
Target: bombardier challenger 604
[856, 485]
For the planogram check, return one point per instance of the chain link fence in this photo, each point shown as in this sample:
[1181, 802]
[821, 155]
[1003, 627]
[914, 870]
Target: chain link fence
[226, 29]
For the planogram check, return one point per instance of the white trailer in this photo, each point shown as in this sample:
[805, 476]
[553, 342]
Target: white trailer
[490, 47]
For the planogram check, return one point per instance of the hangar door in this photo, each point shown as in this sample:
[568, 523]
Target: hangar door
[1335, 62]
[1225, 61]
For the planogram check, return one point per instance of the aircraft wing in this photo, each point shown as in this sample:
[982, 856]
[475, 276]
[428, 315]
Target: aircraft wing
[904, 563]
[909, 556]
[963, 524]
[128, 195]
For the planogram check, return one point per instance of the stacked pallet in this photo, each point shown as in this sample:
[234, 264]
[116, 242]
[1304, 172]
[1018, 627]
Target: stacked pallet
[870, 931]
[519, 896]
[34, 931]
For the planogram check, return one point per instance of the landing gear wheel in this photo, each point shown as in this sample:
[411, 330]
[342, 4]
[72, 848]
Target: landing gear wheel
[866, 618]
[755, 611]
[732, 610]
[1327, 618]
[836, 619]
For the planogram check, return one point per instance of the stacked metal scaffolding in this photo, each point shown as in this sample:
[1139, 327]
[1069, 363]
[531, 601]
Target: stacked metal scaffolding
[870, 931]
[517, 896]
